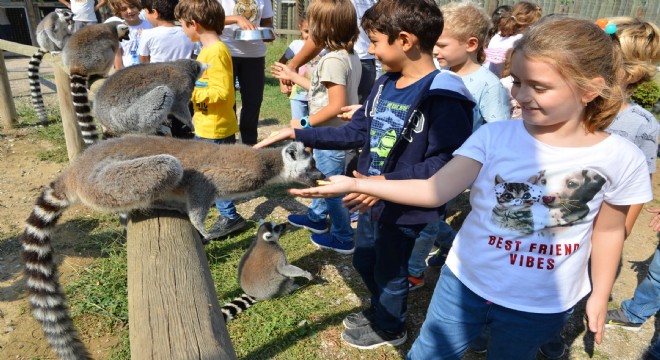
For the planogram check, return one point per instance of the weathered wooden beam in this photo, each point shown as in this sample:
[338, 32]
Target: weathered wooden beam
[72, 135]
[7, 107]
[173, 309]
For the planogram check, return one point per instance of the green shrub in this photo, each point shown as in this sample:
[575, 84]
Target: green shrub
[646, 95]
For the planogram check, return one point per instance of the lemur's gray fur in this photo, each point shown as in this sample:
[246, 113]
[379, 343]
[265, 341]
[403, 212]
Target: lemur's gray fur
[264, 271]
[53, 31]
[138, 99]
[143, 172]
[90, 52]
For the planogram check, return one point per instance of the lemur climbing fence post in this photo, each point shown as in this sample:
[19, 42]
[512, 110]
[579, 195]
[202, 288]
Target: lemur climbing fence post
[173, 309]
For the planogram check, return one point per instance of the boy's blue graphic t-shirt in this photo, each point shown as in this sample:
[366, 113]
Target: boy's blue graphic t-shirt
[389, 115]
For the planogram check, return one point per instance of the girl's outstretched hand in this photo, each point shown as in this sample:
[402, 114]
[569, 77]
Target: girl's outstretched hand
[276, 136]
[339, 185]
[281, 71]
[361, 202]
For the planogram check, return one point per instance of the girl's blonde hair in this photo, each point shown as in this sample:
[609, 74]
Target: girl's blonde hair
[639, 42]
[523, 15]
[465, 20]
[333, 24]
[580, 52]
[115, 5]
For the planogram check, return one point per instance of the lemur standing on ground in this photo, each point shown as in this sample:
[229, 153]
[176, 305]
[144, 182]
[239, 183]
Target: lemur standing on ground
[264, 271]
[90, 52]
[143, 172]
[53, 31]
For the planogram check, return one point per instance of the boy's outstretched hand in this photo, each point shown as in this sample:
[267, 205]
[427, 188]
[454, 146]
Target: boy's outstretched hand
[276, 136]
[348, 111]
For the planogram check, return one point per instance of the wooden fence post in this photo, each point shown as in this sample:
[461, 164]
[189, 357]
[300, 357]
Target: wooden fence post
[7, 107]
[173, 307]
[72, 135]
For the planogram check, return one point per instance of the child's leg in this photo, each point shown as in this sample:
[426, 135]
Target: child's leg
[456, 315]
[331, 162]
[251, 76]
[393, 246]
[364, 257]
[530, 330]
[423, 245]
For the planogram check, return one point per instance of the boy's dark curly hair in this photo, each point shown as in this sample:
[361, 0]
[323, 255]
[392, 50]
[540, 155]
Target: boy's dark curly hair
[165, 8]
[421, 18]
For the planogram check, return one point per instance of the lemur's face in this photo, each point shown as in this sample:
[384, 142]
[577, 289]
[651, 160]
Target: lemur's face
[299, 165]
[270, 231]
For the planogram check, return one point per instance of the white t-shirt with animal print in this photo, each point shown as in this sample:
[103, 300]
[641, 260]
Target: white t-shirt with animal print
[526, 242]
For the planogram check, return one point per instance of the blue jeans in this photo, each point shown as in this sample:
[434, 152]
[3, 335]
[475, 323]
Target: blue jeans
[381, 258]
[646, 300]
[438, 232]
[252, 78]
[226, 207]
[299, 109]
[331, 162]
[456, 316]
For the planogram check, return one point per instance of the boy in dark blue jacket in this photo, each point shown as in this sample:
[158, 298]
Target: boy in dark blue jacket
[408, 127]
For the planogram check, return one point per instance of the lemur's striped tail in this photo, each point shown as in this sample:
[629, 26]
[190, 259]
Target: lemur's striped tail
[83, 109]
[35, 86]
[237, 306]
[44, 291]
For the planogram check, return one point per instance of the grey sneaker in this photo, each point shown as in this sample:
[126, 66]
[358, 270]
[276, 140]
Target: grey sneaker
[370, 337]
[359, 319]
[618, 319]
[224, 226]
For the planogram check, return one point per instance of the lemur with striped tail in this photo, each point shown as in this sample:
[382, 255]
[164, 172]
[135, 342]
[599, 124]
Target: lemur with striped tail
[136, 172]
[53, 31]
[264, 271]
[90, 52]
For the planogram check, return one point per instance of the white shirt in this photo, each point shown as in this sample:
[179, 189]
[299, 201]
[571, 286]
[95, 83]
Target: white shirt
[521, 247]
[254, 11]
[83, 10]
[361, 46]
[164, 43]
[130, 47]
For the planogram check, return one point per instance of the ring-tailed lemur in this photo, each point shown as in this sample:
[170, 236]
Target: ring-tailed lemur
[53, 32]
[90, 52]
[264, 271]
[138, 99]
[143, 172]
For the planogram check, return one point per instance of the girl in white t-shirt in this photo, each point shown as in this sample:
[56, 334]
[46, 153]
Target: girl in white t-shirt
[548, 192]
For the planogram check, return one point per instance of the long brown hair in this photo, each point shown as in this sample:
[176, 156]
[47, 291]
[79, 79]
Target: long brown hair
[523, 15]
[333, 24]
[579, 51]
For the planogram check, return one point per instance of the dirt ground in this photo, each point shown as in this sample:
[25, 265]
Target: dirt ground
[22, 175]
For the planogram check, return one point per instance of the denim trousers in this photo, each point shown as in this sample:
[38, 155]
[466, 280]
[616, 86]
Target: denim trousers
[456, 316]
[646, 300]
[381, 258]
[226, 207]
[331, 162]
[252, 78]
[299, 109]
[438, 232]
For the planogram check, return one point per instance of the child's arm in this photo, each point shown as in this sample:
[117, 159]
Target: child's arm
[607, 243]
[283, 72]
[145, 59]
[65, 3]
[336, 100]
[220, 85]
[100, 4]
[451, 180]
[119, 61]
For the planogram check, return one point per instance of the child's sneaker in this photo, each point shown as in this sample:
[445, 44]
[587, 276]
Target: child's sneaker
[355, 216]
[304, 222]
[554, 349]
[438, 260]
[224, 226]
[618, 319]
[370, 337]
[415, 283]
[359, 319]
[328, 241]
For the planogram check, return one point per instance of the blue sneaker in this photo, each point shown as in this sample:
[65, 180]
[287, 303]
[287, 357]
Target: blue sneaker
[328, 241]
[304, 222]
[439, 258]
[355, 216]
